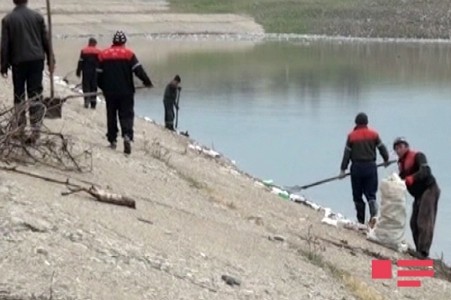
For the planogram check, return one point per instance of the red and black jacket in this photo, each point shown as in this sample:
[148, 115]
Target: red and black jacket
[361, 146]
[414, 169]
[117, 65]
[89, 61]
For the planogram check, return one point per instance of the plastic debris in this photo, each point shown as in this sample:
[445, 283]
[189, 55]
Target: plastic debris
[268, 182]
[204, 150]
[334, 219]
[281, 193]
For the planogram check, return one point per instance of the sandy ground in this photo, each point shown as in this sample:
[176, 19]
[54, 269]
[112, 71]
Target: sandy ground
[138, 17]
[197, 218]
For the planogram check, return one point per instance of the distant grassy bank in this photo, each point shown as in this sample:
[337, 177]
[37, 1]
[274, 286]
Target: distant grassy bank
[359, 18]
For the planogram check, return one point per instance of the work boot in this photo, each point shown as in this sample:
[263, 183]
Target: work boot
[417, 254]
[170, 127]
[360, 209]
[86, 104]
[372, 222]
[93, 104]
[113, 145]
[127, 145]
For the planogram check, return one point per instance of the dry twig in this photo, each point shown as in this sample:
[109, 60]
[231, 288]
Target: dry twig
[52, 149]
[99, 194]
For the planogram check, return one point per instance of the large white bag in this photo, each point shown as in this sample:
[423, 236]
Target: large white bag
[390, 227]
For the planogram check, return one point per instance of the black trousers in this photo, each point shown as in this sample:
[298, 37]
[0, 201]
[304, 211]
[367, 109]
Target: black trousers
[422, 221]
[89, 85]
[121, 105]
[27, 76]
[364, 182]
[169, 115]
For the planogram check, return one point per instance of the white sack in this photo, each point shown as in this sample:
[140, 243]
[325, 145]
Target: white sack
[391, 224]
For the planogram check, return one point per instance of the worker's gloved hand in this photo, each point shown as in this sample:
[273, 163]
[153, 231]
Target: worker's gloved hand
[342, 174]
[179, 88]
[386, 163]
[148, 85]
[409, 180]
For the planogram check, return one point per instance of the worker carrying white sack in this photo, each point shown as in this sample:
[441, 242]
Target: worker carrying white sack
[390, 227]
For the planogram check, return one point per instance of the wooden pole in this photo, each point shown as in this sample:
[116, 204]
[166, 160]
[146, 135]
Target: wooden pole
[51, 62]
[298, 188]
[177, 111]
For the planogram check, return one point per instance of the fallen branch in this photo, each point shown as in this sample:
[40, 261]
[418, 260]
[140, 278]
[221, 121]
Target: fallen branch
[344, 244]
[104, 196]
[99, 194]
[51, 286]
[48, 179]
[145, 221]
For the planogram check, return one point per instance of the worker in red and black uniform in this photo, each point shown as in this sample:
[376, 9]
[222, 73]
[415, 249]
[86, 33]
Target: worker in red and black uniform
[117, 65]
[422, 185]
[360, 149]
[87, 65]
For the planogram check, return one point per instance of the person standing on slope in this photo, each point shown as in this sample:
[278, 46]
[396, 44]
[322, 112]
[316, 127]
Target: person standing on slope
[360, 149]
[422, 185]
[170, 102]
[117, 65]
[87, 67]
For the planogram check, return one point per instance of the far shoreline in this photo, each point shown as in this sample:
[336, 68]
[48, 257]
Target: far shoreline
[266, 37]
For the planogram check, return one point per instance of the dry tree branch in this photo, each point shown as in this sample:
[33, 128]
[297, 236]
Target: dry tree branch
[99, 194]
[52, 149]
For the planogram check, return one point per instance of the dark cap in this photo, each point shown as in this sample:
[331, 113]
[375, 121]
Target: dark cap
[92, 41]
[400, 140]
[177, 78]
[119, 38]
[361, 119]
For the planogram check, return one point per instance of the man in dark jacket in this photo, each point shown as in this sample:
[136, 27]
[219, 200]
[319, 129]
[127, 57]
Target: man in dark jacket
[422, 185]
[170, 101]
[24, 46]
[88, 64]
[117, 65]
[360, 148]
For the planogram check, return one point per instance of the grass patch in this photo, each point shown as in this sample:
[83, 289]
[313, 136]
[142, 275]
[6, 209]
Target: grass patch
[157, 151]
[364, 18]
[314, 254]
[442, 270]
[276, 16]
[193, 182]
